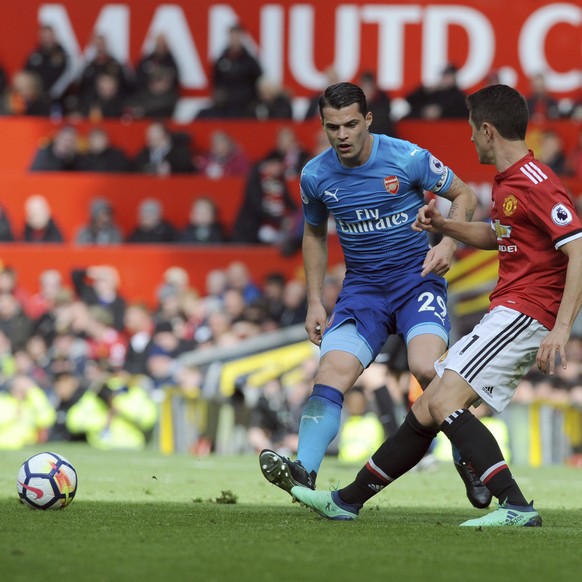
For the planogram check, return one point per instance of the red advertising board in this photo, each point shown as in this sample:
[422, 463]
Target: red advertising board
[405, 43]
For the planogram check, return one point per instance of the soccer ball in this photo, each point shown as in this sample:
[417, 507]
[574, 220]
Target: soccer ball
[46, 481]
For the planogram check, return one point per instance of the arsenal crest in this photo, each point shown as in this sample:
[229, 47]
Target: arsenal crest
[392, 184]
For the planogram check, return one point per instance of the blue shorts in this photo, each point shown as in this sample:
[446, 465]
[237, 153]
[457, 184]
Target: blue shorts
[406, 304]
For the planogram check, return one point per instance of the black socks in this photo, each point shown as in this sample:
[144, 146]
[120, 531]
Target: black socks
[397, 455]
[480, 450]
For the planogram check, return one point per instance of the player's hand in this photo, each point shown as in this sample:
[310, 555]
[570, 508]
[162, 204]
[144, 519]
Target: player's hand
[315, 323]
[428, 218]
[438, 260]
[554, 343]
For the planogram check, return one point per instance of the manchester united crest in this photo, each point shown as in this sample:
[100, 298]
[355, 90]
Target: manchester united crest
[510, 205]
[392, 184]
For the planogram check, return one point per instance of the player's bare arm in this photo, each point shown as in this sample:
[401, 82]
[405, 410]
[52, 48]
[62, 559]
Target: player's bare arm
[315, 265]
[463, 200]
[476, 234]
[463, 203]
[555, 342]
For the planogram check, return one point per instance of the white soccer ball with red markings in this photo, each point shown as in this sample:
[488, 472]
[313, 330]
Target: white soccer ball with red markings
[47, 481]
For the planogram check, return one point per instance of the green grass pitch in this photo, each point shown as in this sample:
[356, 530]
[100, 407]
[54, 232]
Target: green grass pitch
[144, 516]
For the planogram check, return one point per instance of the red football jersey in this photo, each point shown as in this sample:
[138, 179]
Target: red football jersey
[533, 217]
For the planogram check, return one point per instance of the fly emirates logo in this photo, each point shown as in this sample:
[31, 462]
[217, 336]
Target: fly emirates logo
[369, 220]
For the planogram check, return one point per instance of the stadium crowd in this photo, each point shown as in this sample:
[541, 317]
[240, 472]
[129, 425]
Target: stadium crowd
[106, 88]
[80, 361]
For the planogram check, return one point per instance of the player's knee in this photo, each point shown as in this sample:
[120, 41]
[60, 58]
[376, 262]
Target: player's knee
[337, 371]
[424, 372]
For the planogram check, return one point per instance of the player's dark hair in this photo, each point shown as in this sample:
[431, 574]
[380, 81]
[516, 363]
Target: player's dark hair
[501, 106]
[343, 95]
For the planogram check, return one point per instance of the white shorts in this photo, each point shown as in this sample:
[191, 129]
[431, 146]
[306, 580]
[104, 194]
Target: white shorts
[496, 355]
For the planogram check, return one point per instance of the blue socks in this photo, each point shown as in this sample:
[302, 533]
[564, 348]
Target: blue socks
[320, 424]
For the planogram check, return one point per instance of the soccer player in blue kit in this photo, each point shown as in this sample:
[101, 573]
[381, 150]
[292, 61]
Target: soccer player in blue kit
[373, 185]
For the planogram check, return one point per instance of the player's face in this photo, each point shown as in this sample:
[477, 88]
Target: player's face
[482, 144]
[347, 132]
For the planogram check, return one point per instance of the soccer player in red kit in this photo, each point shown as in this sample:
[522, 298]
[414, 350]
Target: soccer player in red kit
[539, 292]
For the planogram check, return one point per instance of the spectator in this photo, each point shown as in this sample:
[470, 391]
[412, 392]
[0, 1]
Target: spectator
[117, 415]
[160, 58]
[106, 344]
[61, 154]
[27, 414]
[169, 304]
[223, 159]
[151, 226]
[171, 294]
[9, 284]
[239, 277]
[292, 231]
[444, 101]
[165, 347]
[68, 353]
[157, 99]
[6, 234]
[204, 226]
[175, 284]
[274, 422]
[26, 366]
[101, 62]
[192, 307]
[361, 432]
[312, 111]
[14, 322]
[68, 389]
[177, 278]
[106, 101]
[541, 105]
[215, 285]
[164, 153]
[39, 226]
[379, 104]
[234, 305]
[161, 367]
[101, 156]
[164, 337]
[138, 329]
[25, 96]
[99, 285]
[271, 300]
[50, 287]
[235, 74]
[49, 61]
[295, 156]
[266, 203]
[101, 229]
[294, 304]
[35, 359]
[218, 108]
[551, 152]
[273, 102]
[7, 361]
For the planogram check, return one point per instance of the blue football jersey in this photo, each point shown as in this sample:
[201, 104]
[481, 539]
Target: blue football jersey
[375, 204]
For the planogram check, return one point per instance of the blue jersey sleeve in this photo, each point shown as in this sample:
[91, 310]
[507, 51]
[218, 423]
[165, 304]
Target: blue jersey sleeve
[315, 211]
[429, 172]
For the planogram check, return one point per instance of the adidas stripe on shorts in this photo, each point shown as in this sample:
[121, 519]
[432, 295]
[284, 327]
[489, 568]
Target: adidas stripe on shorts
[496, 355]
